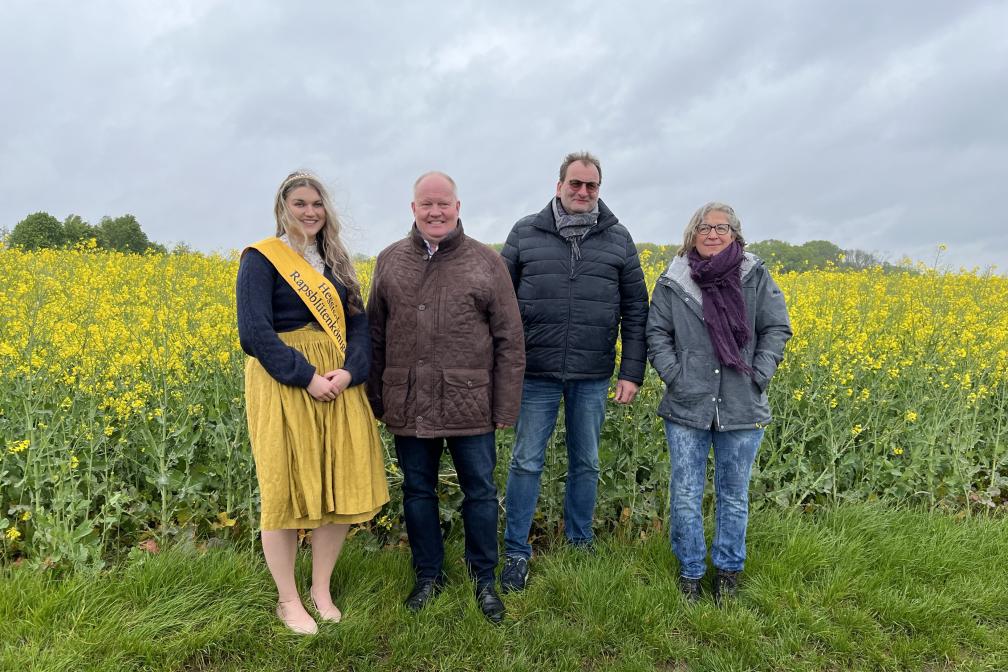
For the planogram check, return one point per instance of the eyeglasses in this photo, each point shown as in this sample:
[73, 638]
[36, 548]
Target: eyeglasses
[722, 229]
[576, 185]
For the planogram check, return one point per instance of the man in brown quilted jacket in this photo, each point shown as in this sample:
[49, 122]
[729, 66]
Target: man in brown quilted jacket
[448, 360]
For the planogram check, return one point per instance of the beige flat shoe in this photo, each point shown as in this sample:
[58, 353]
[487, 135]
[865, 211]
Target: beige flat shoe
[332, 615]
[296, 623]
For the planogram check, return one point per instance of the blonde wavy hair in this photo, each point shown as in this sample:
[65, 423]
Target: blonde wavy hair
[330, 245]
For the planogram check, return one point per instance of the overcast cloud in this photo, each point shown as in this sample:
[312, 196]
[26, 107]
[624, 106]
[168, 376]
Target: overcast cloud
[879, 126]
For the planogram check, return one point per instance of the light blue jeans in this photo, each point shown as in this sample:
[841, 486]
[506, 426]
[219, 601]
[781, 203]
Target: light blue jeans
[584, 411]
[734, 453]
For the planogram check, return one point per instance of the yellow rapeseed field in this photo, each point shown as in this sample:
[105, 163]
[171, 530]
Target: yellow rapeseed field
[121, 411]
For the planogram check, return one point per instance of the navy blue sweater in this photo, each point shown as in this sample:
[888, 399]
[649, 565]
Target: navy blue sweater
[267, 305]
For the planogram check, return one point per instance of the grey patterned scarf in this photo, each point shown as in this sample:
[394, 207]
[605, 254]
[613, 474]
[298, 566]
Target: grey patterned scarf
[573, 227]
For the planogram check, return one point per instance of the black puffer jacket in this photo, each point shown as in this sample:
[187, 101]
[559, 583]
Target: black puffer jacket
[573, 311]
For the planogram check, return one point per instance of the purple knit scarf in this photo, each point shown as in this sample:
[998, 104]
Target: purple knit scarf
[724, 309]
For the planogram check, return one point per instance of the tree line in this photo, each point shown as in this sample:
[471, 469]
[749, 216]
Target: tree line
[123, 234]
[784, 257]
[41, 230]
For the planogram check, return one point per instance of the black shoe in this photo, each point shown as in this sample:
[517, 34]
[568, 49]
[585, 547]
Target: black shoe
[490, 604]
[423, 592]
[725, 584]
[515, 574]
[690, 588]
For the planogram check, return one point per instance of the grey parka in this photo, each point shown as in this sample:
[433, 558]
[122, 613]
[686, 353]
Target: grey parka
[700, 392]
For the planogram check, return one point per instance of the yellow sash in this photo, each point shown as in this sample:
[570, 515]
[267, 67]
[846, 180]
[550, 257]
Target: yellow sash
[311, 287]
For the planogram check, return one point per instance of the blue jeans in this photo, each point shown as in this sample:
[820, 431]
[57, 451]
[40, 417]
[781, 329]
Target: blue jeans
[584, 411]
[734, 453]
[475, 458]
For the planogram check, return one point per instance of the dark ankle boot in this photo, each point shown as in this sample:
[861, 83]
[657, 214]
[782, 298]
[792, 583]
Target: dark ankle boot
[725, 584]
[690, 588]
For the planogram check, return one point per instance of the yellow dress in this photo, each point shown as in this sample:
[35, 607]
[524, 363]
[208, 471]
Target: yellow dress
[317, 462]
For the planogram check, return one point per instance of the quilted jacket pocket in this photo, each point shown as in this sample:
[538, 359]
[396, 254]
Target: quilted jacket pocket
[466, 398]
[395, 395]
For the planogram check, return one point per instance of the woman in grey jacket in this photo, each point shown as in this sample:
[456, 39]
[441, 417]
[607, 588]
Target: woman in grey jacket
[715, 332]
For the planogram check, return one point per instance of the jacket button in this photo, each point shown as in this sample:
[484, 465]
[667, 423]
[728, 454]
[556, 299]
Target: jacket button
[422, 306]
[468, 383]
[419, 419]
[419, 362]
[717, 370]
[713, 398]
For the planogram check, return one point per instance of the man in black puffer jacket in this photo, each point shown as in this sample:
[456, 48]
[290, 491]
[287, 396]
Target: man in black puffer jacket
[579, 284]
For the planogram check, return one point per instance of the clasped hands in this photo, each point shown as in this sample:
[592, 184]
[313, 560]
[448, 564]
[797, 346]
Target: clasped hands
[329, 385]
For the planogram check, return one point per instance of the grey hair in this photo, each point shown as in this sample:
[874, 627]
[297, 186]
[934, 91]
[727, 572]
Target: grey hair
[689, 235]
[586, 158]
[431, 173]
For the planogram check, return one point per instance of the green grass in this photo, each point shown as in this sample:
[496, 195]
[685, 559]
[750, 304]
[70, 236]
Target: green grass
[854, 588]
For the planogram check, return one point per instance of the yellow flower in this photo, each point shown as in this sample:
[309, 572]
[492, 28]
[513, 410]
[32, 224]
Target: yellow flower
[897, 451]
[856, 429]
[74, 462]
[17, 446]
[224, 520]
[910, 416]
[12, 534]
[26, 515]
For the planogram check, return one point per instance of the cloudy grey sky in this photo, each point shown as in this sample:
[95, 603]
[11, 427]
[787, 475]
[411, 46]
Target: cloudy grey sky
[877, 125]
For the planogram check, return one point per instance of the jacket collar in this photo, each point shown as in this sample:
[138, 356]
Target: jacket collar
[546, 221]
[450, 242]
[678, 273]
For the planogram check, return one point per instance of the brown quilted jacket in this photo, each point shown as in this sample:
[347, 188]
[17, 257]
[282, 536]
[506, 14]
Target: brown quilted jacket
[448, 348]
